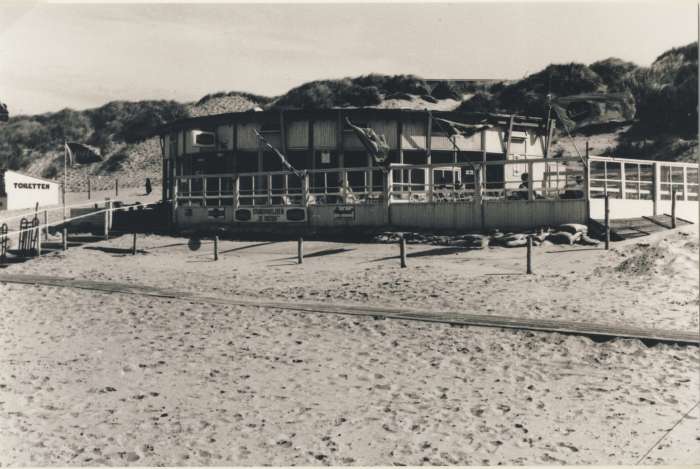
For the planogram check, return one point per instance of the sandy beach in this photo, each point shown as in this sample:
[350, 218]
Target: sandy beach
[91, 378]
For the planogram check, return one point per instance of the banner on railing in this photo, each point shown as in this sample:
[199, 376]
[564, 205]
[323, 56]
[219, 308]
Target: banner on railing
[344, 212]
[270, 215]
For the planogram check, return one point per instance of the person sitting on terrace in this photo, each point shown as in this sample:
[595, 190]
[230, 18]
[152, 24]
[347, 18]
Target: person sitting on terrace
[523, 189]
[577, 191]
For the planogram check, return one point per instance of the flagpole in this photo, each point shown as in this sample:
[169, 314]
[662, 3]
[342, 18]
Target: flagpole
[65, 171]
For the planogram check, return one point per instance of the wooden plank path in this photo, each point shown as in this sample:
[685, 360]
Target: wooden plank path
[595, 331]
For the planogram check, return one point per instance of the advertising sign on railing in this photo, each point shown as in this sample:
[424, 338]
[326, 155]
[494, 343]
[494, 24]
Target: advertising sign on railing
[270, 214]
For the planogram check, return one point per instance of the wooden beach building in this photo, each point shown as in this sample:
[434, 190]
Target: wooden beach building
[494, 172]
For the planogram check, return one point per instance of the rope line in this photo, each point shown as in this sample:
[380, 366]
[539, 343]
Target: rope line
[54, 209]
[77, 217]
[666, 434]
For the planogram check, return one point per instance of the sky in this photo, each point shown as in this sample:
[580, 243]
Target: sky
[59, 55]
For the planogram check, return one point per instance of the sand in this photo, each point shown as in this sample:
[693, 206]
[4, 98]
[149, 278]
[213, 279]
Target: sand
[92, 378]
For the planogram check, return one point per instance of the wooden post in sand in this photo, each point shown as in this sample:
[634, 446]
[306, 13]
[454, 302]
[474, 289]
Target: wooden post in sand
[216, 248]
[108, 206]
[133, 246]
[300, 250]
[65, 239]
[673, 208]
[607, 221]
[116, 187]
[46, 224]
[402, 247]
[89, 191]
[529, 254]
[38, 242]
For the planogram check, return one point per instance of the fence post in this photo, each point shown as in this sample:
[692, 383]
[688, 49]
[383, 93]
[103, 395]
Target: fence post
[673, 207]
[216, 248]
[133, 246]
[529, 254]
[46, 224]
[300, 250]
[402, 247]
[65, 239]
[306, 189]
[38, 241]
[116, 187]
[657, 188]
[108, 206]
[607, 221]
[389, 182]
[89, 189]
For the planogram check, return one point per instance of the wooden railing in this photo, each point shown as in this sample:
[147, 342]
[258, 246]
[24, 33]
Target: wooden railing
[623, 178]
[511, 180]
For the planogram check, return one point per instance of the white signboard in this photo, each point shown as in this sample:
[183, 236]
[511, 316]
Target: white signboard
[26, 191]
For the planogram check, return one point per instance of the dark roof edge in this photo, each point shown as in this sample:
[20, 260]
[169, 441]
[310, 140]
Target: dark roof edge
[229, 116]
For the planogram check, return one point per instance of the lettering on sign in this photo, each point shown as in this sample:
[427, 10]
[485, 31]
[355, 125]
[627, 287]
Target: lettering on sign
[31, 185]
[215, 213]
[268, 214]
[344, 213]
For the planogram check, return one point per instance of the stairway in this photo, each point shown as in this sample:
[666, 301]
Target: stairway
[626, 228]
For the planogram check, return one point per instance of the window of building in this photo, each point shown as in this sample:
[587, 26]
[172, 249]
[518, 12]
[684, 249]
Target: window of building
[414, 157]
[246, 162]
[356, 159]
[204, 139]
[270, 127]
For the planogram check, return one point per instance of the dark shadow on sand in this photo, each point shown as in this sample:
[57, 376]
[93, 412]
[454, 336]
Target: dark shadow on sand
[108, 250]
[443, 251]
[325, 252]
[247, 247]
[574, 250]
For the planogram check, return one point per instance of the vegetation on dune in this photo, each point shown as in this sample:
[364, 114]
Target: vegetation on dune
[447, 89]
[667, 91]
[367, 90]
[662, 98]
[614, 72]
[256, 98]
[23, 137]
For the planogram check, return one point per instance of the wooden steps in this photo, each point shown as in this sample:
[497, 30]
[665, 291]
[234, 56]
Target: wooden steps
[627, 228]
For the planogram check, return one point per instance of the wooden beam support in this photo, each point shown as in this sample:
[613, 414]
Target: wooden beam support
[510, 134]
[428, 138]
[340, 140]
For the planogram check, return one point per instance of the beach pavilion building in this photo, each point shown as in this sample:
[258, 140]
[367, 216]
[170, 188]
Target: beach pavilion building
[438, 170]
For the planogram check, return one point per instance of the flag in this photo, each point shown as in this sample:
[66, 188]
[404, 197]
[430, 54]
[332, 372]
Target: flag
[285, 163]
[68, 154]
[582, 110]
[374, 144]
[457, 128]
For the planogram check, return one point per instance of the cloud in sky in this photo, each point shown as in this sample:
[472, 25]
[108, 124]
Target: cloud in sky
[77, 55]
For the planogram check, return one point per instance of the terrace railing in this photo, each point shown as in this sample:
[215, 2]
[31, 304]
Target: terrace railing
[507, 180]
[623, 178]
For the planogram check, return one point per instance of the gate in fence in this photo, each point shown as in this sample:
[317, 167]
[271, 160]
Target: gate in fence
[28, 237]
[4, 241]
